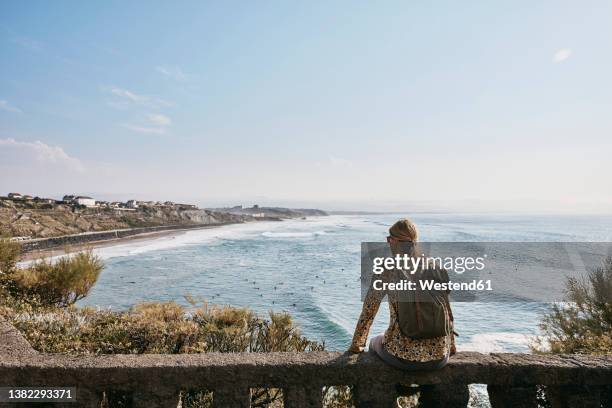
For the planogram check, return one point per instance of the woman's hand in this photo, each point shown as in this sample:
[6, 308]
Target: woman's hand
[355, 349]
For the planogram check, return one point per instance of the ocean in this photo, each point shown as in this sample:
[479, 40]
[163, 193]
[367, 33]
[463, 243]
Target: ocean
[311, 269]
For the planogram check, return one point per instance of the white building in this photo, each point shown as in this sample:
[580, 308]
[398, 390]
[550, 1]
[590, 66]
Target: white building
[132, 204]
[86, 201]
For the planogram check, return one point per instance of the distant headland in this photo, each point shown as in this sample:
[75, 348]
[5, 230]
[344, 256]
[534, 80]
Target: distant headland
[25, 217]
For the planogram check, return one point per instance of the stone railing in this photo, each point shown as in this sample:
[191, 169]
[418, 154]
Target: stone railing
[157, 380]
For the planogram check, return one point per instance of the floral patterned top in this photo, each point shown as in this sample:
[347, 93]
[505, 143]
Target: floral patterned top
[395, 343]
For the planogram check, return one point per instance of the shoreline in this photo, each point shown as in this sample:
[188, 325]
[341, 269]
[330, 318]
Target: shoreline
[55, 251]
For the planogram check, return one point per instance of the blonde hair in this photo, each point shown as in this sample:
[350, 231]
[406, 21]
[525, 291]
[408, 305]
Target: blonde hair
[406, 235]
[404, 230]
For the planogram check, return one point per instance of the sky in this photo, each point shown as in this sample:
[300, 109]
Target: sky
[341, 104]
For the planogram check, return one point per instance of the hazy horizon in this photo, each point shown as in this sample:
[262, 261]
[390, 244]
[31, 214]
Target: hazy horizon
[343, 106]
[510, 207]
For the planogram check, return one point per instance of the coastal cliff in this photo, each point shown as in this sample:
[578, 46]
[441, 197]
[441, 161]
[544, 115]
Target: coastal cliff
[32, 219]
[58, 220]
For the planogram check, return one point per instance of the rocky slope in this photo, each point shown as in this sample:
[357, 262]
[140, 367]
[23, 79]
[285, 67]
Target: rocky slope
[42, 221]
[273, 212]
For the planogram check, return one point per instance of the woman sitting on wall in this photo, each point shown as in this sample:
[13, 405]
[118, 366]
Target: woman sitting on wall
[420, 334]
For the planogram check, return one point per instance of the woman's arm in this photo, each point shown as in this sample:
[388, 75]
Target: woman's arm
[366, 318]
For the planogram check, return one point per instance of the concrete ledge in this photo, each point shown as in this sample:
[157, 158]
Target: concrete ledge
[156, 380]
[214, 370]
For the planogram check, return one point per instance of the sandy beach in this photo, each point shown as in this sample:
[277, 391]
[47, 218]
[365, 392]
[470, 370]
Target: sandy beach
[54, 252]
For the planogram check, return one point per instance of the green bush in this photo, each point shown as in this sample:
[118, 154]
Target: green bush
[162, 328]
[582, 325]
[9, 255]
[167, 328]
[60, 283]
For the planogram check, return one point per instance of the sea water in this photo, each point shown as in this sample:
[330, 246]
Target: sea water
[310, 268]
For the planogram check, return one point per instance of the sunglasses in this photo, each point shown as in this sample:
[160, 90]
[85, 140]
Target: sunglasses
[392, 240]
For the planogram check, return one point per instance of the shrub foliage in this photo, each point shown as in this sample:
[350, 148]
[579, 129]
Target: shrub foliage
[9, 255]
[583, 324]
[60, 283]
[158, 328]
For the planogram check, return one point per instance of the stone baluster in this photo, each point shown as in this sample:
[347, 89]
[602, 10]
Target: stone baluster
[232, 396]
[155, 398]
[303, 397]
[511, 397]
[375, 395]
[576, 396]
[444, 396]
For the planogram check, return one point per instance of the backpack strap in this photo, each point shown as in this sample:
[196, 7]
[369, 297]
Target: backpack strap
[417, 310]
[448, 306]
[450, 316]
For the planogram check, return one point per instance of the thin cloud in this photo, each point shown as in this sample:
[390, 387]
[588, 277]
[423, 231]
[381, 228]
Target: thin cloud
[152, 123]
[5, 106]
[124, 93]
[125, 97]
[39, 152]
[174, 72]
[155, 124]
[562, 55]
[145, 129]
[160, 120]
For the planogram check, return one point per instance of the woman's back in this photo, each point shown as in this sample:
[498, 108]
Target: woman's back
[420, 332]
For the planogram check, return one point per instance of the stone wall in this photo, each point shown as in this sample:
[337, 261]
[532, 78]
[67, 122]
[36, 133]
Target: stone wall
[156, 380]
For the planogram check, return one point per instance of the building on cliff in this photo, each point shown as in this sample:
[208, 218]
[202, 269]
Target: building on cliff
[86, 201]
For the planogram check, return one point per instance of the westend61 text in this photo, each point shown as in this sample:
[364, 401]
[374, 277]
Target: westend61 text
[431, 284]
